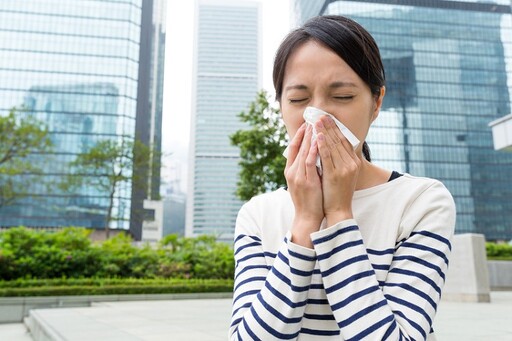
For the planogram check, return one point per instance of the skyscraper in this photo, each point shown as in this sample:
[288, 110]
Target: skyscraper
[90, 70]
[226, 79]
[449, 73]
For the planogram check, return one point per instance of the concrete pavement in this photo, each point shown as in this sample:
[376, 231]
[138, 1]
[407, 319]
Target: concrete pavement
[208, 319]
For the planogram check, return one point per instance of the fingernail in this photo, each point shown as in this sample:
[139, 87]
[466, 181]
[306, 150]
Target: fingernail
[321, 137]
[319, 125]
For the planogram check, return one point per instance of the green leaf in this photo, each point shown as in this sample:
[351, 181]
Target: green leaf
[261, 147]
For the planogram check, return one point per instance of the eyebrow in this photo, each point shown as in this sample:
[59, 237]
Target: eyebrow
[333, 85]
[342, 85]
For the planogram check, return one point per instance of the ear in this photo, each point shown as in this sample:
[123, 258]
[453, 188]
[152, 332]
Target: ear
[378, 103]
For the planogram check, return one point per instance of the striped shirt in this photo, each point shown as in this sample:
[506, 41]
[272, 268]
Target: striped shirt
[375, 277]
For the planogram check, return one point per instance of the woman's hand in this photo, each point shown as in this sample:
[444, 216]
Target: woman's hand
[340, 166]
[304, 186]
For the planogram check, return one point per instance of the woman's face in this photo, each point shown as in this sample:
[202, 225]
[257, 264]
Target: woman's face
[316, 76]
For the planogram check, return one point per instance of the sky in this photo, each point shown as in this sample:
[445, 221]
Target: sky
[177, 101]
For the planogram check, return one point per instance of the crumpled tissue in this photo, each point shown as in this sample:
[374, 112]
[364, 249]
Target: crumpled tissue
[311, 116]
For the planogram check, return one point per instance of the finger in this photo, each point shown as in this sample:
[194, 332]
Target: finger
[331, 130]
[294, 146]
[304, 150]
[340, 147]
[331, 140]
[325, 153]
[311, 170]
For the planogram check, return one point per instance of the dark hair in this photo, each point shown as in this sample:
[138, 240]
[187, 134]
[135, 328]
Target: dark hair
[347, 39]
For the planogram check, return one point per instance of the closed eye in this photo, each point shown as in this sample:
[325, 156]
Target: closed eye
[297, 100]
[343, 98]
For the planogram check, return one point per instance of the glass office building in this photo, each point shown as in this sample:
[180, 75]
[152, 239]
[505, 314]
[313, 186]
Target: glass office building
[449, 73]
[89, 70]
[226, 79]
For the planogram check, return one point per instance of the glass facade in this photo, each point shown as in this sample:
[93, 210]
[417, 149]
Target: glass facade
[75, 66]
[226, 80]
[449, 73]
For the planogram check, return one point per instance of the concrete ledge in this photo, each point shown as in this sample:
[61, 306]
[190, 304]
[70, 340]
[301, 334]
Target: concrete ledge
[467, 279]
[14, 309]
[500, 274]
[39, 329]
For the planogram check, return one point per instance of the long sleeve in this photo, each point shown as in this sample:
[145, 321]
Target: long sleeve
[270, 290]
[404, 305]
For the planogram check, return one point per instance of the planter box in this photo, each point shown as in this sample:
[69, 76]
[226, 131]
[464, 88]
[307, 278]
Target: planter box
[14, 309]
[500, 274]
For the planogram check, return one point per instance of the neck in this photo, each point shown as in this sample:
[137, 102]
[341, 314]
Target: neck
[371, 175]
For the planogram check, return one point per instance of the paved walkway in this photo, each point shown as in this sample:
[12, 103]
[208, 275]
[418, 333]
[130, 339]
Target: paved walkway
[208, 319]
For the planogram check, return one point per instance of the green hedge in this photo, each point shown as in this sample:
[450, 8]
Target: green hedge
[63, 287]
[498, 251]
[69, 253]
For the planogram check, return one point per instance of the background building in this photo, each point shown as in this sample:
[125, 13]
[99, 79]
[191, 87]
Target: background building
[226, 79]
[90, 70]
[449, 73]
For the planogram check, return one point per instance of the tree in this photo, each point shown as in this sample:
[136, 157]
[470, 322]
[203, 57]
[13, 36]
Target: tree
[106, 165]
[261, 149]
[20, 137]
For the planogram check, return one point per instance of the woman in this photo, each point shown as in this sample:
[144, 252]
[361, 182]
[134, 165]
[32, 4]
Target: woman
[358, 252]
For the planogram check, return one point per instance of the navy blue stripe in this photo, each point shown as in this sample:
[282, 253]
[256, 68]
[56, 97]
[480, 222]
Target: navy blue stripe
[403, 337]
[422, 262]
[411, 322]
[354, 297]
[318, 286]
[244, 235]
[320, 332]
[245, 293]
[426, 248]
[271, 330]
[335, 234]
[435, 236]
[349, 280]
[301, 256]
[317, 272]
[418, 275]
[252, 267]
[277, 314]
[414, 290]
[391, 329]
[250, 279]
[319, 317]
[381, 252]
[293, 270]
[400, 241]
[317, 301]
[371, 329]
[288, 282]
[249, 257]
[284, 298]
[246, 246]
[410, 306]
[339, 248]
[344, 264]
[381, 283]
[380, 267]
[235, 322]
[245, 305]
[361, 313]
[269, 254]
[249, 331]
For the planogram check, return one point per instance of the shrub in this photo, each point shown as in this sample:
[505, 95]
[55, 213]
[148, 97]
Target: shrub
[69, 253]
[118, 286]
[499, 251]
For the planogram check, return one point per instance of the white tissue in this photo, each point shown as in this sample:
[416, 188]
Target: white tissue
[311, 116]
